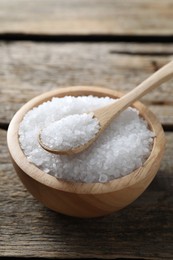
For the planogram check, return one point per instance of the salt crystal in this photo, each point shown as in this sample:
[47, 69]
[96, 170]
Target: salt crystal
[120, 149]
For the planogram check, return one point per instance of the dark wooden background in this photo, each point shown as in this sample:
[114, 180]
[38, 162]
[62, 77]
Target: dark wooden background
[47, 44]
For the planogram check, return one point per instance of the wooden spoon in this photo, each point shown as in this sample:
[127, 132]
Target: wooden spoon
[107, 113]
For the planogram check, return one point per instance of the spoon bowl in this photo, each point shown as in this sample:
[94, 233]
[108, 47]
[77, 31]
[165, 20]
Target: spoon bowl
[84, 199]
[71, 151]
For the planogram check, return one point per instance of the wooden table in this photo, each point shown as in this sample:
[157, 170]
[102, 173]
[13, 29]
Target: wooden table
[47, 44]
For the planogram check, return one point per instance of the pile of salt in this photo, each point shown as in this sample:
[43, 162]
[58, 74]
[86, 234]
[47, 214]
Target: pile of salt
[121, 148]
[70, 132]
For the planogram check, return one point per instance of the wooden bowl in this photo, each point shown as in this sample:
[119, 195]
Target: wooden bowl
[84, 199]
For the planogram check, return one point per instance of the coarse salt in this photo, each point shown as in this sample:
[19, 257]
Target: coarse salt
[120, 149]
[70, 132]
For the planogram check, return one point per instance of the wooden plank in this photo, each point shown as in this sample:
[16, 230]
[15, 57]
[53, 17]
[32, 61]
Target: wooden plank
[144, 230]
[118, 17]
[29, 69]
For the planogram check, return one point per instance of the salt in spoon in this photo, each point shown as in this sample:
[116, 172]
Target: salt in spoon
[106, 114]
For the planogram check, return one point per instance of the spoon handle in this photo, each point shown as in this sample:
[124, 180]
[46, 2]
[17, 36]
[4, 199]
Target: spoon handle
[155, 80]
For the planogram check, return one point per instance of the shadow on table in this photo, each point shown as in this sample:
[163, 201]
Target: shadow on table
[143, 226]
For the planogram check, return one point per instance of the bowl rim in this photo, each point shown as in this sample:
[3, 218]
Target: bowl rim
[38, 175]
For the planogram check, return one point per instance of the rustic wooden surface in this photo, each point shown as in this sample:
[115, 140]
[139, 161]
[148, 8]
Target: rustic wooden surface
[144, 230]
[36, 68]
[86, 17]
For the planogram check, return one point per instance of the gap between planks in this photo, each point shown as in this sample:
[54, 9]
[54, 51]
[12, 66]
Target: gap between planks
[88, 38]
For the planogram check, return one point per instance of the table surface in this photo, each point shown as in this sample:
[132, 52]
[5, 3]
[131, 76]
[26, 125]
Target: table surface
[48, 44]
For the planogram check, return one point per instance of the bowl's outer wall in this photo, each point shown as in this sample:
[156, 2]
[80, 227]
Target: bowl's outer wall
[85, 205]
[93, 205]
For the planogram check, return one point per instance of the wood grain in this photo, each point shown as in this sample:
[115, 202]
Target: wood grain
[86, 17]
[143, 230]
[29, 69]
